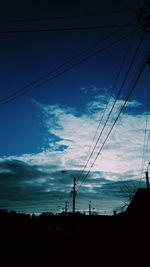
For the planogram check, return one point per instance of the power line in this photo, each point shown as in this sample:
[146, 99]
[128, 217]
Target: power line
[123, 106]
[112, 126]
[22, 91]
[146, 142]
[124, 57]
[128, 8]
[65, 29]
[62, 65]
[111, 110]
[63, 17]
[120, 181]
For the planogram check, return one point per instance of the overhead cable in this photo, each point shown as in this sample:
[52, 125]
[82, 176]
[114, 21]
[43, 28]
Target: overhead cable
[61, 65]
[26, 90]
[113, 124]
[97, 27]
[146, 133]
[63, 17]
[121, 109]
[128, 8]
[100, 122]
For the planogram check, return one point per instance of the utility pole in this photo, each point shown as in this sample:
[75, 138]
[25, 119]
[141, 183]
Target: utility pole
[74, 194]
[147, 179]
[66, 207]
[89, 207]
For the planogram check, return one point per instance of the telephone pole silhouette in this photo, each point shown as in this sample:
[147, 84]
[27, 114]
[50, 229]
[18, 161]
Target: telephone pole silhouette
[147, 177]
[74, 194]
[66, 206]
[89, 207]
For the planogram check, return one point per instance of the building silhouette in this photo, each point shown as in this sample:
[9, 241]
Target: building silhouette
[140, 203]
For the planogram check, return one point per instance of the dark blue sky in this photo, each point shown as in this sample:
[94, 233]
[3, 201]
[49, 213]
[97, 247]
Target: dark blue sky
[27, 56]
[31, 123]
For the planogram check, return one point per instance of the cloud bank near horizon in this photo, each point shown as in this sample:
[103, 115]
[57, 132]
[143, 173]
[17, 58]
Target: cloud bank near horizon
[37, 178]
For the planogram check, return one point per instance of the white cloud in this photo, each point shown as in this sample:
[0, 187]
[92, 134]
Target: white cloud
[94, 89]
[122, 153]
[71, 137]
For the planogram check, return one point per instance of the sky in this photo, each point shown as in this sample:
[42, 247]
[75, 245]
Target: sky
[74, 103]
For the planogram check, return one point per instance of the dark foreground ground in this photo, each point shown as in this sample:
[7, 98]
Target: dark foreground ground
[75, 236]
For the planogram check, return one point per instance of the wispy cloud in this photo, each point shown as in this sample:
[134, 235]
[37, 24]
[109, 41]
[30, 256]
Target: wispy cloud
[38, 176]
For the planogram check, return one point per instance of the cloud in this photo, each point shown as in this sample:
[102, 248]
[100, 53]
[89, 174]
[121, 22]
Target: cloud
[93, 89]
[23, 185]
[37, 178]
[75, 133]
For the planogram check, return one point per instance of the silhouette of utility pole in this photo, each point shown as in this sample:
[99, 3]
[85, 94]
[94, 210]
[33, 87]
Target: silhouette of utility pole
[66, 206]
[89, 207]
[147, 178]
[74, 194]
